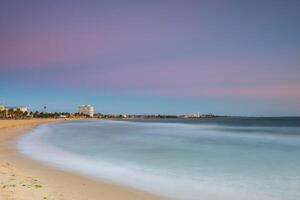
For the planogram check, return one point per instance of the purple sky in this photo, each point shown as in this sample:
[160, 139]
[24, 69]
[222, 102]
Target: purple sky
[227, 57]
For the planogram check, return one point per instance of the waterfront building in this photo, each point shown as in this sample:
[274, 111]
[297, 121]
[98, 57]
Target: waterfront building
[2, 107]
[22, 108]
[86, 110]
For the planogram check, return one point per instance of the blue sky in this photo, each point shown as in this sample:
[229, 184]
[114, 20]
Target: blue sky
[167, 57]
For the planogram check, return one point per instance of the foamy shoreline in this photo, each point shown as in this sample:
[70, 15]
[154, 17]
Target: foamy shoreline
[22, 178]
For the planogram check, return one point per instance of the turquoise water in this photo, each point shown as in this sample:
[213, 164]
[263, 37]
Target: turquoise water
[221, 158]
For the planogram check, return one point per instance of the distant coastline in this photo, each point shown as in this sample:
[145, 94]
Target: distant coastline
[85, 111]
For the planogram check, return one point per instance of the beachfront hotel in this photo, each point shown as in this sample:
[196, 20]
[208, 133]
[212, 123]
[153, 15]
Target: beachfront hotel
[21, 108]
[2, 107]
[86, 110]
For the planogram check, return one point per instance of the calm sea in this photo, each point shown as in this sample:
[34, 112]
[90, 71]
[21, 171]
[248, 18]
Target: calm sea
[220, 158]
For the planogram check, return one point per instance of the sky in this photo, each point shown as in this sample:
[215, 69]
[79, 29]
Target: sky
[227, 57]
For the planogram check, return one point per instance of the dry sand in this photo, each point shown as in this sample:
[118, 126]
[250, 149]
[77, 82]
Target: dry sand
[25, 179]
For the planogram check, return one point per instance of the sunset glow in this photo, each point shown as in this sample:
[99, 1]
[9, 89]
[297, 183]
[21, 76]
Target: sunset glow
[227, 57]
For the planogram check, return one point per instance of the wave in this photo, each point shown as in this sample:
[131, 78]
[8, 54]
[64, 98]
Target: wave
[171, 182]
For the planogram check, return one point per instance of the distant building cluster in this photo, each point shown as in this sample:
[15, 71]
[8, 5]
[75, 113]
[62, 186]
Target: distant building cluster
[134, 116]
[15, 108]
[86, 110]
[198, 115]
[22, 108]
[22, 112]
[16, 111]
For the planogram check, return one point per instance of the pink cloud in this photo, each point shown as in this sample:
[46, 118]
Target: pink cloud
[191, 78]
[34, 42]
[258, 91]
[63, 42]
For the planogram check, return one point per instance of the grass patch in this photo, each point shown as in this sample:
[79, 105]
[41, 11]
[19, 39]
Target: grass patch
[38, 186]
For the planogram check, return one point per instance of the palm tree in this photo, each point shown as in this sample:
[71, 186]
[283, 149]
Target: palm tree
[2, 114]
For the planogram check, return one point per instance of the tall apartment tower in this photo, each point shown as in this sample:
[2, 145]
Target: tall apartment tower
[86, 110]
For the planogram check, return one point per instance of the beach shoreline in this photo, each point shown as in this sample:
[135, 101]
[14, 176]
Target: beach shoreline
[26, 179]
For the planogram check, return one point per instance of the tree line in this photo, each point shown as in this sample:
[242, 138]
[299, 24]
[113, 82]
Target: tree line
[18, 114]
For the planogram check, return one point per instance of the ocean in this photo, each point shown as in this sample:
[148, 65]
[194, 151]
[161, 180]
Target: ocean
[218, 158]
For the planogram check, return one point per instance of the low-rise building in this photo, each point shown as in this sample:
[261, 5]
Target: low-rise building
[22, 108]
[2, 107]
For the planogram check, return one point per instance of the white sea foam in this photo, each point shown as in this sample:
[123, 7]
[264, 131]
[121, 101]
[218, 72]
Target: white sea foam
[175, 181]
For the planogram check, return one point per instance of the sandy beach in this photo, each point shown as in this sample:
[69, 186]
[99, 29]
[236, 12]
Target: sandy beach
[25, 179]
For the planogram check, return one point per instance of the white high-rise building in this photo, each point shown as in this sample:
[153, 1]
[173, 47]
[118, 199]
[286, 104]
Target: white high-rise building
[87, 110]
